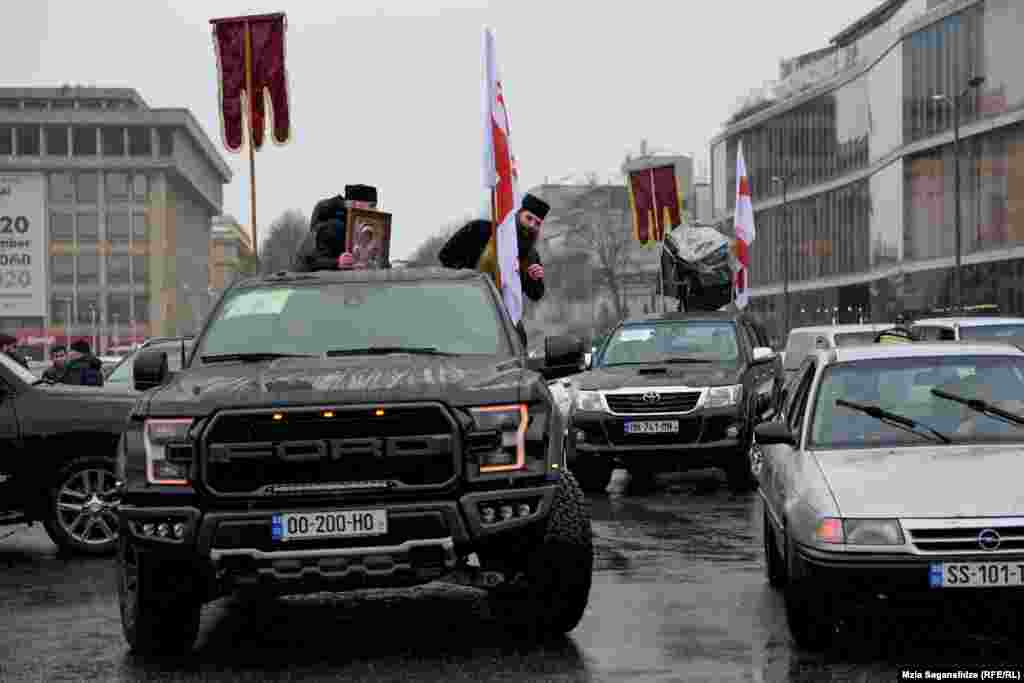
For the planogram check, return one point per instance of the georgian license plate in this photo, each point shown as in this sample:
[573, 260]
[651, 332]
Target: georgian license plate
[975, 574]
[328, 524]
[651, 427]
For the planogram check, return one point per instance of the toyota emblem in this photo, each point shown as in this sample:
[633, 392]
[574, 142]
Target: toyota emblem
[989, 539]
[652, 397]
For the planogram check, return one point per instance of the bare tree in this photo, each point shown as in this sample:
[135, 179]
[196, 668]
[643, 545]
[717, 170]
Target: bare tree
[427, 253]
[603, 229]
[283, 240]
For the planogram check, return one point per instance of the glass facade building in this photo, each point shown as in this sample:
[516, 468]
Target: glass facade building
[860, 147]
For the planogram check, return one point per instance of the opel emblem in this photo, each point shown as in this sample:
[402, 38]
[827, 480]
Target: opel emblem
[652, 397]
[989, 539]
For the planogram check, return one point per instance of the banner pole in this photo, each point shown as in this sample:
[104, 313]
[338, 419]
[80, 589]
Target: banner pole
[252, 138]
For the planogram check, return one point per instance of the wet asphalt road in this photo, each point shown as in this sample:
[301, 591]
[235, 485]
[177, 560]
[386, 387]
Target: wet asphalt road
[679, 595]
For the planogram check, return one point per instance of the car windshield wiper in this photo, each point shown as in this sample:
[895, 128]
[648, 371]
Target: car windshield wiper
[983, 407]
[686, 360]
[385, 350]
[252, 357]
[895, 419]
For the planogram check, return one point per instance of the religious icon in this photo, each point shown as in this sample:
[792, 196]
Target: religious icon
[368, 238]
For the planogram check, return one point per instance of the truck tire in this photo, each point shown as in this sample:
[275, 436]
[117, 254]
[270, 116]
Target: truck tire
[552, 591]
[159, 606]
[592, 474]
[81, 507]
[738, 473]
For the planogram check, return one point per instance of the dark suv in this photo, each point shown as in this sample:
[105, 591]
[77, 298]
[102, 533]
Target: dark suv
[338, 430]
[674, 392]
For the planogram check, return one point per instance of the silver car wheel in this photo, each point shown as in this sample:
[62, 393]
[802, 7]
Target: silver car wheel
[87, 507]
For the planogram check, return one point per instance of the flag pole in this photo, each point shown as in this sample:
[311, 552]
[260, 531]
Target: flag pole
[252, 137]
[494, 236]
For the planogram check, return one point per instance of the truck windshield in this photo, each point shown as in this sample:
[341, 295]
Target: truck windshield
[663, 341]
[451, 317]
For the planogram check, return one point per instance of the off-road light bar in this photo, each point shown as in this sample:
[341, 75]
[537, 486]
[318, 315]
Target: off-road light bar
[498, 510]
[169, 529]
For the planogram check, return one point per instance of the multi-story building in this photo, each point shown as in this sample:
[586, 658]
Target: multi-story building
[850, 158]
[231, 252]
[109, 202]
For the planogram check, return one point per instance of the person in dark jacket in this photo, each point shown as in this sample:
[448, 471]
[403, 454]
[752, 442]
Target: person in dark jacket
[471, 247]
[9, 346]
[58, 356]
[324, 246]
[82, 367]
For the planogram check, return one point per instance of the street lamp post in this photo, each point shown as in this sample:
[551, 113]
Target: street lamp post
[784, 181]
[92, 312]
[117, 329]
[954, 101]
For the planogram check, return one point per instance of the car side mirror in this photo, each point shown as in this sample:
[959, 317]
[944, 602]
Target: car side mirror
[774, 433]
[763, 354]
[150, 370]
[563, 356]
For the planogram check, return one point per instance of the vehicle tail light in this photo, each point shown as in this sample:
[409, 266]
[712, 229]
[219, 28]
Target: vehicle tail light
[162, 436]
[830, 530]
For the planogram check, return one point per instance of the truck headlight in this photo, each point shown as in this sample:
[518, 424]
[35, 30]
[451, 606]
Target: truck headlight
[160, 437]
[590, 401]
[500, 432]
[834, 530]
[721, 397]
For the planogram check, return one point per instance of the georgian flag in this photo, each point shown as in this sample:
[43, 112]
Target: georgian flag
[501, 176]
[744, 225]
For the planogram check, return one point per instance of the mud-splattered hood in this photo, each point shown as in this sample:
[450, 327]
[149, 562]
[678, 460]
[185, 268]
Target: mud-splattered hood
[459, 380]
[660, 375]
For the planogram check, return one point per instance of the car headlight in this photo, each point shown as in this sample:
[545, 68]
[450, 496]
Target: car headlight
[589, 401]
[834, 530]
[499, 437]
[720, 397]
[163, 440]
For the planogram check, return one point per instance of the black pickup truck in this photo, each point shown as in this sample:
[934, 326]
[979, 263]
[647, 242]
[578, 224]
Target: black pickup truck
[57, 448]
[337, 430]
[674, 392]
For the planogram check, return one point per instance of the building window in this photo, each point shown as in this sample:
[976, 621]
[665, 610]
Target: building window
[89, 268]
[118, 228]
[62, 187]
[35, 105]
[90, 104]
[117, 187]
[62, 269]
[88, 187]
[6, 140]
[113, 141]
[140, 226]
[62, 227]
[28, 141]
[140, 270]
[166, 142]
[56, 141]
[140, 185]
[84, 141]
[140, 309]
[119, 308]
[61, 310]
[88, 307]
[88, 228]
[118, 269]
[140, 143]
[62, 105]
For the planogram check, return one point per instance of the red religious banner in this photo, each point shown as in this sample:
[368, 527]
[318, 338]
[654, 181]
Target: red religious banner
[251, 67]
[656, 201]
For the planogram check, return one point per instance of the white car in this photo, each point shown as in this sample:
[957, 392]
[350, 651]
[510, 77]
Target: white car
[805, 340]
[966, 328]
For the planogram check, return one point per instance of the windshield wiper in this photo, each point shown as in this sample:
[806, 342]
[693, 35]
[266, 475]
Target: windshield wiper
[686, 360]
[895, 420]
[983, 407]
[385, 350]
[252, 357]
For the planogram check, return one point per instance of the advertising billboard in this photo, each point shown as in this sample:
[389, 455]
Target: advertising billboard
[22, 245]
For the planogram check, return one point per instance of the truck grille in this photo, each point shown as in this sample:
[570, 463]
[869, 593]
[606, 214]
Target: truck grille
[668, 402]
[973, 537]
[329, 450]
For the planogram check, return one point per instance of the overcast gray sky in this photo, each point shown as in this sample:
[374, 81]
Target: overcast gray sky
[388, 92]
